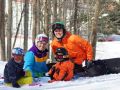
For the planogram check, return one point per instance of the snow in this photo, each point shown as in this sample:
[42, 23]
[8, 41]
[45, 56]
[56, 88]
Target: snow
[106, 82]
[107, 50]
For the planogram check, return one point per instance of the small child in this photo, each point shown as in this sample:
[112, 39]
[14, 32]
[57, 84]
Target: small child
[63, 69]
[14, 68]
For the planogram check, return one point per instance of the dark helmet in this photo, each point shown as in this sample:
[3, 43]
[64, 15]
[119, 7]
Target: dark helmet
[59, 25]
[61, 54]
[17, 51]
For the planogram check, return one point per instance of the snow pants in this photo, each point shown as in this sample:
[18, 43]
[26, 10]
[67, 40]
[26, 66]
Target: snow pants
[22, 81]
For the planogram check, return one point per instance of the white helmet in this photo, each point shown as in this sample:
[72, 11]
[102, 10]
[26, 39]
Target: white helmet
[41, 37]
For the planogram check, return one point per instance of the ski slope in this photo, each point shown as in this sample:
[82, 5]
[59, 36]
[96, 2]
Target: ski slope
[106, 82]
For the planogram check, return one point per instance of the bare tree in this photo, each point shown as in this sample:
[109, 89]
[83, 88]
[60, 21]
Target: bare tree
[64, 11]
[2, 29]
[34, 19]
[54, 10]
[46, 17]
[94, 26]
[38, 17]
[26, 19]
[9, 29]
[75, 16]
[60, 9]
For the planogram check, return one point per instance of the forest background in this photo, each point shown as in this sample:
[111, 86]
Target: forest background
[24, 19]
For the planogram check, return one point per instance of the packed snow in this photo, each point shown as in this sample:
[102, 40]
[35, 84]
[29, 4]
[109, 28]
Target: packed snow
[104, 50]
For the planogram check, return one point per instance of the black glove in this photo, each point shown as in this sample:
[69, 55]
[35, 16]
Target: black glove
[86, 64]
[16, 85]
[22, 73]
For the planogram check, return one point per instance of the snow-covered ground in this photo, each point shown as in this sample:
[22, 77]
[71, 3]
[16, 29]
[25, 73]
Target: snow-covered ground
[105, 82]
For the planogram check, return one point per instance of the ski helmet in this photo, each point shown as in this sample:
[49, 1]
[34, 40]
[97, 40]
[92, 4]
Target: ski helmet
[41, 37]
[58, 25]
[17, 51]
[61, 54]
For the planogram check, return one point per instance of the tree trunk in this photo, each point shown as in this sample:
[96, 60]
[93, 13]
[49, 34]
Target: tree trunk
[46, 17]
[64, 11]
[75, 16]
[9, 29]
[55, 11]
[60, 10]
[38, 17]
[34, 20]
[94, 27]
[26, 18]
[2, 29]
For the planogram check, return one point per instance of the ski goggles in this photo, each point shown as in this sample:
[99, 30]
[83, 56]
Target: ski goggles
[43, 39]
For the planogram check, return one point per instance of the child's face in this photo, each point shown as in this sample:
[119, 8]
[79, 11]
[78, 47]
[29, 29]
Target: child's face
[41, 45]
[18, 58]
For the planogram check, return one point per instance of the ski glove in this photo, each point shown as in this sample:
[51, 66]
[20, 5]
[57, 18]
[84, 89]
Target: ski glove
[16, 85]
[86, 64]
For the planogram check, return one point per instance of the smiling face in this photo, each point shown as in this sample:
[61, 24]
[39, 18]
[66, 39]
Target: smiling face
[58, 33]
[41, 45]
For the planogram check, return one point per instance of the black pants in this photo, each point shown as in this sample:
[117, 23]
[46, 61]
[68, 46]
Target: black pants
[78, 69]
[104, 66]
[99, 67]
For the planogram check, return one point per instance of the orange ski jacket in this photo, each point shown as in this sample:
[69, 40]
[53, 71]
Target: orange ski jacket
[63, 71]
[78, 48]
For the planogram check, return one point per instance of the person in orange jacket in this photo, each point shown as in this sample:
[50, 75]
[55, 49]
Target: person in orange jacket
[63, 69]
[78, 48]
